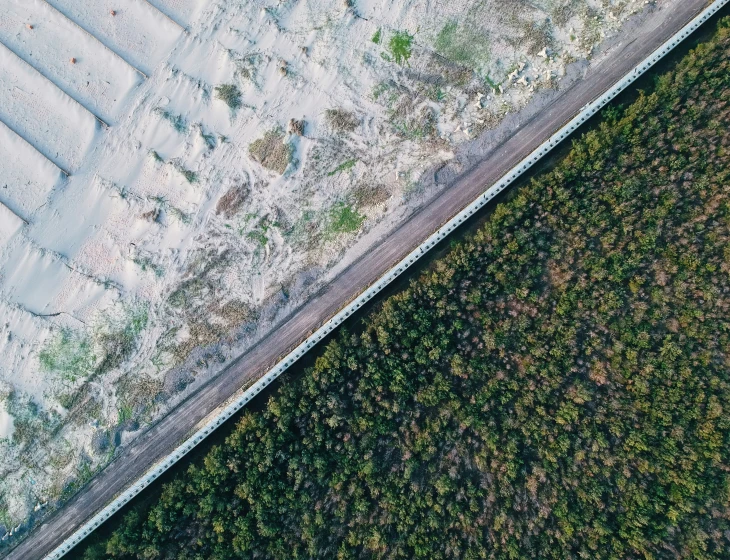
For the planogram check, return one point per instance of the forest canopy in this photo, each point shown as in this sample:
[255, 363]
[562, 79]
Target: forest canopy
[557, 386]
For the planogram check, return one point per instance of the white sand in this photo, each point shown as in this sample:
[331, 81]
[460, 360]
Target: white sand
[99, 80]
[43, 115]
[28, 177]
[140, 35]
[6, 425]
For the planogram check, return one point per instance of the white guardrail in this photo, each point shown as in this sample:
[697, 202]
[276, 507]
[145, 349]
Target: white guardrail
[587, 112]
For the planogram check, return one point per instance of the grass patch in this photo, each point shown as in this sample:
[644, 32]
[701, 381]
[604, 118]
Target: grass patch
[232, 201]
[377, 37]
[400, 47]
[69, 354]
[539, 35]
[229, 94]
[209, 139]
[416, 126]
[124, 413]
[171, 210]
[370, 195]
[189, 175]
[349, 164]
[463, 45]
[340, 120]
[258, 236]
[178, 122]
[75, 355]
[343, 218]
[29, 420]
[118, 334]
[147, 264]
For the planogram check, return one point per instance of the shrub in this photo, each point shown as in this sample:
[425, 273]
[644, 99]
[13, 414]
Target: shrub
[229, 94]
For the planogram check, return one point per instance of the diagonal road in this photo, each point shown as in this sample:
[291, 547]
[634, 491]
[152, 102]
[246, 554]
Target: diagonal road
[164, 436]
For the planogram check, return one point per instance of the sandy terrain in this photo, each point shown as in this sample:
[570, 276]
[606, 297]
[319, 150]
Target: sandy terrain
[190, 225]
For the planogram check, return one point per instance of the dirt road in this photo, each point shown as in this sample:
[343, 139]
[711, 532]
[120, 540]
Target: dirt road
[162, 438]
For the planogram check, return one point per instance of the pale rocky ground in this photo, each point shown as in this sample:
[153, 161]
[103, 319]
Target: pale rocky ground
[170, 248]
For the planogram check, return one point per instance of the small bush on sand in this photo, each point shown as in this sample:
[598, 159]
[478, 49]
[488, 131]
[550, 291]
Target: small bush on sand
[229, 94]
[272, 152]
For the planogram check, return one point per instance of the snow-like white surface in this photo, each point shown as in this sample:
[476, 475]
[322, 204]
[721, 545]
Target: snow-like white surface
[99, 79]
[6, 424]
[137, 32]
[136, 225]
[41, 282]
[10, 224]
[26, 177]
[51, 121]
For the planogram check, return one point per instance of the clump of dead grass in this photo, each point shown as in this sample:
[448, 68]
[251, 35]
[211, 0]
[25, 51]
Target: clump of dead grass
[231, 202]
[296, 126]
[272, 152]
[135, 398]
[561, 14]
[368, 195]
[537, 36]
[340, 120]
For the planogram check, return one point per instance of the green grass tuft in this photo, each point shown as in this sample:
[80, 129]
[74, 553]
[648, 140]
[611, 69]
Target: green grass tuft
[349, 164]
[229, 94]
[343, 219]
[178, 122]
[190, 176]
[401, 46]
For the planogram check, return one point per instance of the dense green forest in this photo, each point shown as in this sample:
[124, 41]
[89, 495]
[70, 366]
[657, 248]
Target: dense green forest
[557, 386]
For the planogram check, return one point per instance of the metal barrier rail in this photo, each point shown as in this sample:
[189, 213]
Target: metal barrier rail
[587, 112]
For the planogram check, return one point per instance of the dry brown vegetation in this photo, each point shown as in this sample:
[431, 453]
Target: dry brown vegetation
[272, 152]
[230, 203]
[340, 120]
